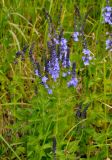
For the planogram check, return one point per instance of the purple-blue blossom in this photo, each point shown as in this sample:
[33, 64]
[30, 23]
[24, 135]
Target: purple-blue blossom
[54, 68]
[44, 79]
[36, 72]
[66, 57]
[63, 48]
[86, 51]
[46, 86]
[66, 63]
[63, 43]
[86, 60]
[73, 82]
[107, 15]
[49, 91]
[53, 64]
[65, 74]
[56, 41]
[87, 57]
[109, 45]
[76, 36]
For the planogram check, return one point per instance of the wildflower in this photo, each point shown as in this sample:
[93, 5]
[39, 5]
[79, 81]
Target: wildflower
[109, 45]
[63, 48]
[63, 44]
[49, 91]
[69, 72]
[44, 79]
[37, 70]
[46, 86]
[54, 69]
[53, 65]
[86, 51]
[64, 74]
[66, 63]
[76, 36]
[56, 41]
[86, 60]
[74, 81]
[43, 82]
[65, 54]
[107, 15]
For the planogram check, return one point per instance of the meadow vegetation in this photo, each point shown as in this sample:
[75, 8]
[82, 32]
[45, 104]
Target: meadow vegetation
[55, 80]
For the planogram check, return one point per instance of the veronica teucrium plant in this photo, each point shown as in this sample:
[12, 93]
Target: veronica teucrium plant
[56, 98]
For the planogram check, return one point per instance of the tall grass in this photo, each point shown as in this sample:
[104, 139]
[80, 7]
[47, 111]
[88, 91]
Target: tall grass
[38, 126]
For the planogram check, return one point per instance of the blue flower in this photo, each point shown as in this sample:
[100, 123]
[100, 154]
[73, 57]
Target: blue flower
[46, 86]
[86, 51]
[86, 60]
[66, 62]
[107, 15]
[36, 72]
[56, 41]
[64, 43]
[44, 79]
[49, 91]
[54, 68]
[109, 44]
[76, 36]
[63, 48]
[53, 64]
[64, 74]
[73, 82]
[65, 57]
